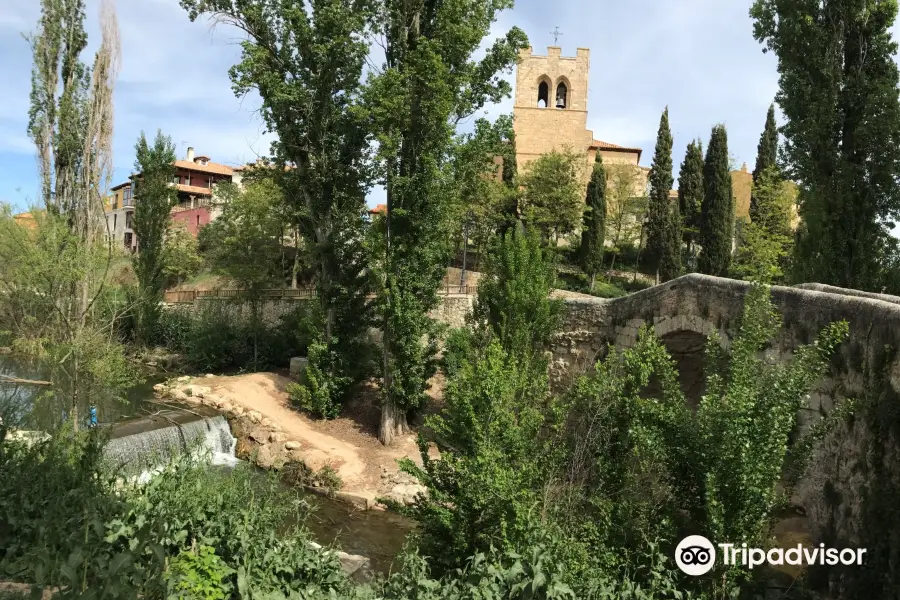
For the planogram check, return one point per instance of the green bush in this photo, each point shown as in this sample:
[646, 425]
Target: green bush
[581, 283]
[199, 575]
[457, 348]
[214, 338]
[66, 522]
[320, 392]
[174, 329]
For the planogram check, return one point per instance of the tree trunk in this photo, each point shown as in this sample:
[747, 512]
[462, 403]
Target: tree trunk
[295, 270]
[593, 278]
[462, 274]
[393, 422]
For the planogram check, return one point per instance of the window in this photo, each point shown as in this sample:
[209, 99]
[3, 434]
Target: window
[129, 217]
[176, 179]
[543, 95]
[128, 241]
[187, 179]
[127, 193]
[198, 221]
[561, 92]
[115, 219]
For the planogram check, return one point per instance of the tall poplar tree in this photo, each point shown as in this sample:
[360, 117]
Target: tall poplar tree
[659, 212]
[593, 234]
[690, 196]
[154, 198]
[766, 156]
[838, 81]
[717, 214]
[428, 83]
[70, 120]
[305, 59]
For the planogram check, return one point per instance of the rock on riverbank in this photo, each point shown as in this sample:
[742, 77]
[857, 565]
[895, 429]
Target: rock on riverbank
[334, 458]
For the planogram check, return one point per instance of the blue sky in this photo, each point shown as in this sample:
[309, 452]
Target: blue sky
[696, 56]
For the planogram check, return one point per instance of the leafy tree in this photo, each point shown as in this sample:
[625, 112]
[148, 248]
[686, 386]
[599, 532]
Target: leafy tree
[766, 154]
[245, 243]
[492, 429]
[552, 201]
[625, 207]
[306, 62]
[594, 222]
[717, 214]
[659, 211]
[513, 297]
[838, 94]
[181, 254]
[690, 196]
[42, 263]
[428, 83]
[154, 200]
[482, 199]
[766, 240]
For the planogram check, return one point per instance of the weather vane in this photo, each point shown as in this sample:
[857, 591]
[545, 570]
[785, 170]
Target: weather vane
[555, 33]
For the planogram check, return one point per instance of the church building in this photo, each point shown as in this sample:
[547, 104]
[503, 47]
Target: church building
[550, 112]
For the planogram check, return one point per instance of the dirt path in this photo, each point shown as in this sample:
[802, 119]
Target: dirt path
[349, 442]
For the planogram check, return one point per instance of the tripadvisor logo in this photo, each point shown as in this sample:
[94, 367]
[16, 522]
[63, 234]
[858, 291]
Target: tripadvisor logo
[695, 555]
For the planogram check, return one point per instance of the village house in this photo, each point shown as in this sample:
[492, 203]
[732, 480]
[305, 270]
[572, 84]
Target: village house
[195, 179]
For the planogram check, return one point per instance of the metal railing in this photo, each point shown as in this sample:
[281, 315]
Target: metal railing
[189, 296]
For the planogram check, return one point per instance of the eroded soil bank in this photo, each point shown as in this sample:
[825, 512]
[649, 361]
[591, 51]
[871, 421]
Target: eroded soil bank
[272, 434]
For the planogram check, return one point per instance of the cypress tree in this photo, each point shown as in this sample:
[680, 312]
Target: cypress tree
[766, 156]
[670, 261]
[659, 221]
[717, 213]
[594, 232]
[690, 195]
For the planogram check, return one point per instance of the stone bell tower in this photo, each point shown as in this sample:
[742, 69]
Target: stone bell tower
[550, 110]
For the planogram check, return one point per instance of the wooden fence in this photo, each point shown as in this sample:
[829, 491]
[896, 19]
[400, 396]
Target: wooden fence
[189, 296]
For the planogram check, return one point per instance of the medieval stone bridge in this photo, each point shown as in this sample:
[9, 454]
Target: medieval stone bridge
[684, 311]
[866, 367]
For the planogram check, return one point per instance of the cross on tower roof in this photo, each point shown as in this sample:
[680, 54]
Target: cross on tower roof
[555, 33]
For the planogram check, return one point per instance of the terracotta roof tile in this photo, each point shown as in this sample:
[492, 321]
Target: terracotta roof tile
[209, 167]
[600, 145]
[193, 189]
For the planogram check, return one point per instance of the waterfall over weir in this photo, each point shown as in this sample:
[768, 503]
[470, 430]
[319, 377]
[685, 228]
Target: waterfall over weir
[141, 444]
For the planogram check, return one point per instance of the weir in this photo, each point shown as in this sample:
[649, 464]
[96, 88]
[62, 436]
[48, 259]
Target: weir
[146, 442]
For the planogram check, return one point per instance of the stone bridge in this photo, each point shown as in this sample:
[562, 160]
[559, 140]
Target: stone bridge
[838, 492]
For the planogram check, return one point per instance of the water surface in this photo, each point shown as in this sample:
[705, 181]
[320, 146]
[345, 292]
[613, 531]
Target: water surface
[44, 408]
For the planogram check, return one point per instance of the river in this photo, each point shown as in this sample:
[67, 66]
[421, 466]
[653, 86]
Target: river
[377, 535]
[39, 407]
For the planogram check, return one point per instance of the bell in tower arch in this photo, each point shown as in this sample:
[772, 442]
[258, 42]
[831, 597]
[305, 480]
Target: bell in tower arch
[561, 95]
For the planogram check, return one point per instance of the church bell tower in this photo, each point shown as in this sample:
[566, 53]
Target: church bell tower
[550, 107]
